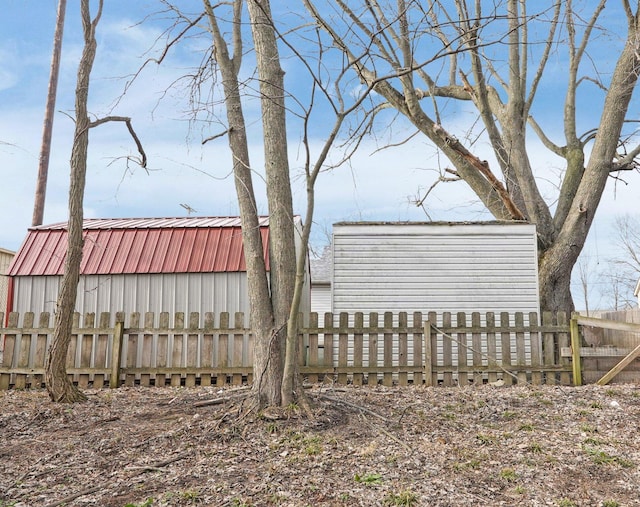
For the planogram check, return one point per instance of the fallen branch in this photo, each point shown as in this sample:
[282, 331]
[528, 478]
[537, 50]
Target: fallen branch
[69, 498]
[391, 436]
[154, 467]
[354, 406]
[220, 400]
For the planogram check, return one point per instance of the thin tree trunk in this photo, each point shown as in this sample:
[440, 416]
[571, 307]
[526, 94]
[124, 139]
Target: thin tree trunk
[45, 149]
[60, 388]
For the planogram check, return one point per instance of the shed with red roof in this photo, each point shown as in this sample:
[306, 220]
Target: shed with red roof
[189, 264]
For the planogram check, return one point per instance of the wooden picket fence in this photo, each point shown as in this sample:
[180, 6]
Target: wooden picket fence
[429, 349]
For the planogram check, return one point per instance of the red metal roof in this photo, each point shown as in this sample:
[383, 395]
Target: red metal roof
[140, 245]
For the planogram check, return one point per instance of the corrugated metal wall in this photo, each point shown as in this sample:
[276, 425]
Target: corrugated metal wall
[193, 292]
[435, 267]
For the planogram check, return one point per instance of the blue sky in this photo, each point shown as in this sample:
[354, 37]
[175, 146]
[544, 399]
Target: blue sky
[377, 185]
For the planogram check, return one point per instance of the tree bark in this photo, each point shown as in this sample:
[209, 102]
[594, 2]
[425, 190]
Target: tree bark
[267, 366]
[282, 252]
[59, 387]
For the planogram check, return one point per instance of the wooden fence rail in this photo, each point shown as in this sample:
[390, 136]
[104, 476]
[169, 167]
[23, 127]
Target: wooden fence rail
[430, 349]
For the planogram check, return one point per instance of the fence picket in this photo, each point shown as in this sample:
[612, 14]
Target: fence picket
[73, 352]
[463, 349]
[447, 351]
[563, 340]
[178, 348]
[403, 349]
[40, 353]
[162, 356]
[132, 349]
[477, 354]
[23, 349]
[192, 348]
[505, 353]
[372, 378]
[101, 351]
[357, 347]
[343, 345]
[206, 357]
[521, 354]
[146, 355]
[313, 351]
[431, 350]
[223, 348]
[492, 349]
[387, 377]
[238, 344]
[86, 350]
[536, 351]
[549, 348]
[418, 337]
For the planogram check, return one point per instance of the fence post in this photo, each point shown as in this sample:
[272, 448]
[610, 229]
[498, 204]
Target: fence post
[575, 351]
[118, 335]
[428, 370]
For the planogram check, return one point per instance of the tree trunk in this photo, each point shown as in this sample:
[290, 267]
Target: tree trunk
[60, 388]
[267, 363]
[282, 253]
[45, 149]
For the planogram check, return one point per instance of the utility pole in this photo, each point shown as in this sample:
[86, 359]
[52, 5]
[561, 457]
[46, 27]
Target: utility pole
[45, 148]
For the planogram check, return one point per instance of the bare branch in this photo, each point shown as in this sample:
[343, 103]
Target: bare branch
[143, 156]
[212, 138]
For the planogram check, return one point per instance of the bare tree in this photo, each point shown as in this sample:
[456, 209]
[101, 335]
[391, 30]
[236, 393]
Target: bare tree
[59, 387]
[421, 56]
[47, 131]
[274, 296]
[624, 267]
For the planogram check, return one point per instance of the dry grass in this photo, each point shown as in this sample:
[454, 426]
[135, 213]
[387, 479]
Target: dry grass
[484, 445]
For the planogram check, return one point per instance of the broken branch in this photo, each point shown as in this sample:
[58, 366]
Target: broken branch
[483, 167]
[127, 121]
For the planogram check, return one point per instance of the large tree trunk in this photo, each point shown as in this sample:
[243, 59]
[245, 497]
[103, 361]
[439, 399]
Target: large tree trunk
[282, 254]
[267, 365]
[60, 388]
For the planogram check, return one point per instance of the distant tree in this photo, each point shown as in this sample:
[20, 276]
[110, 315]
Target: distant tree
[59, 387]
[495, 59]
[624, 271]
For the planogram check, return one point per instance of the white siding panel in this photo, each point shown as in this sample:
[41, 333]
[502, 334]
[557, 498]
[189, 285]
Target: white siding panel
[321, 300]
[435, 267]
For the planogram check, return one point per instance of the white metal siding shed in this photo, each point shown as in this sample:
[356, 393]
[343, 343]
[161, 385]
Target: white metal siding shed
[442, 267]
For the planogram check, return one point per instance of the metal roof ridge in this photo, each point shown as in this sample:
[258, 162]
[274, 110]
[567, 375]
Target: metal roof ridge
[155, 223]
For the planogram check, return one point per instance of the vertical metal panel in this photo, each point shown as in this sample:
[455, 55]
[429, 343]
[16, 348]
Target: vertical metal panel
[195, 292]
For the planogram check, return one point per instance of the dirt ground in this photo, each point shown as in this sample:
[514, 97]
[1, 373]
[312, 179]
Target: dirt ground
[366, 446]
